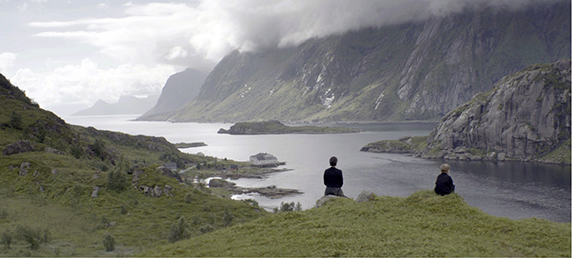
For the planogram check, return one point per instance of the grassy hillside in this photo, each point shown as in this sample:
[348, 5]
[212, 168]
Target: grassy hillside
[49, 172]
[422, 224]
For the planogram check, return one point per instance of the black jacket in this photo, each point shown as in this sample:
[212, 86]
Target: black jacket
[444, 184]
[333, 177]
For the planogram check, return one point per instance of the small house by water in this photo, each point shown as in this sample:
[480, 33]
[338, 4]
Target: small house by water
[265, 160]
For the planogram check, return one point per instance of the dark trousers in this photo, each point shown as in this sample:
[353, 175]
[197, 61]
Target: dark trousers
[334, 191]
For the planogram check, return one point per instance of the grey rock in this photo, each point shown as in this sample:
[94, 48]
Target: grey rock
[525, 116]
[365, 196]
[95, 192]
[501, 156]
[24, 167]
[324, 199]
[54, 151]
[20, 146]
[157, 192]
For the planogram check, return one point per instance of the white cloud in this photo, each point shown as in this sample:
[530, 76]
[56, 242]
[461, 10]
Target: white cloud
[86, 83]
[148, 40]
[162, 32]
[6, 61]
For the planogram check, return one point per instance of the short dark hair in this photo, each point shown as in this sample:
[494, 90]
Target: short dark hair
[333, 161]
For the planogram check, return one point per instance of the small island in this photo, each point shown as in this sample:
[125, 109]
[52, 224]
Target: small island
[276, 127]
[183, 145]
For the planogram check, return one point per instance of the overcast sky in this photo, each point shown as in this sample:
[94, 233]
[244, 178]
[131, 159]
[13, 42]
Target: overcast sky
[67, 54]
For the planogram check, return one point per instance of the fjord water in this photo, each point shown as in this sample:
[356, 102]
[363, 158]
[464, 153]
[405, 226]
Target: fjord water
[516, 190]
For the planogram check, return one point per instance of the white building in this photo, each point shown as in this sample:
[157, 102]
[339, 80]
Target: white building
[264, 159]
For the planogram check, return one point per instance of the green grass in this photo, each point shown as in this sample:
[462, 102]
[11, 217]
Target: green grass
[422, 224]
[46, 209]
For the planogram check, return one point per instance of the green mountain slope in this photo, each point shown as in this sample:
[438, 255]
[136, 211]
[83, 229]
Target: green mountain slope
[64, 188]
[418, 70]
[422, 224]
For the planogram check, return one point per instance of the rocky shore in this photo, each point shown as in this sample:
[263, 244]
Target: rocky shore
[271, 192]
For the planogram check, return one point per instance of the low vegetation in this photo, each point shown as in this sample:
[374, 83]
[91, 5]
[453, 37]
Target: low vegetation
[74, 191]
[275, 127]
[422, 224]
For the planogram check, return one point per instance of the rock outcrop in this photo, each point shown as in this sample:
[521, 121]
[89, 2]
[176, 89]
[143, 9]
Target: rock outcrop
[526, 116]
[20, 146]
[271, 192]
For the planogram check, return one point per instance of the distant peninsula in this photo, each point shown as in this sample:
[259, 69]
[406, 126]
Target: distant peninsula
[183, 145]
[276, 127]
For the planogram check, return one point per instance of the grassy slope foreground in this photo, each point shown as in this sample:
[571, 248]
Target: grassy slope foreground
[47, 185]
[422, 224]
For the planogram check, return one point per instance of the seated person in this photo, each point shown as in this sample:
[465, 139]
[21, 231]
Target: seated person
[333, 179]
[444, 184]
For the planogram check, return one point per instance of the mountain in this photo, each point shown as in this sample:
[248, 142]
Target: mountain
[179, 89]
[411, 71]
[526, 116]
[125, 105]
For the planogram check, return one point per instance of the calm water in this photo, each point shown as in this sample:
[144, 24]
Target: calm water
[507, 189]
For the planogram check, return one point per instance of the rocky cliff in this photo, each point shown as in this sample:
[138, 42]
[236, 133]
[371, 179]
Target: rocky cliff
[410, 71]
[179, 89]
[525, 116]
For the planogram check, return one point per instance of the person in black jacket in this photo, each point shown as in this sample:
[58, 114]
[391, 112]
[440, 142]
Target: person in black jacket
[333, 179]
[444, 184]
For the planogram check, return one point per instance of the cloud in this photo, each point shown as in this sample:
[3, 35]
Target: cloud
[152, 41]
[200, 35]
[6, 61]
[85, 83]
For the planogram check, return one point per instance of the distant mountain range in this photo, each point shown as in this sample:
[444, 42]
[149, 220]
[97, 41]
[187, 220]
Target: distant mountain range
[410, 71]
[125, 105]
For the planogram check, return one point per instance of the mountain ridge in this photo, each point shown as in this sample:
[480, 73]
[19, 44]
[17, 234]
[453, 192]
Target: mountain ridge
[125, 105]
[411, 71]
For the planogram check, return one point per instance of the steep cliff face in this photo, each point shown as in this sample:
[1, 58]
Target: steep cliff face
[525, 116]
[179, 89]
[409, 71]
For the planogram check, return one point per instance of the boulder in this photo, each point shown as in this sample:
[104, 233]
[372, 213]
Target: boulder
[501, 156]
[19, 147]
[157, 191]
[320, 202]
[365, 196]
[95, 192]
[24, 168]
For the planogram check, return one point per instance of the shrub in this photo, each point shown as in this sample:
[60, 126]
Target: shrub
[284, 206]
[117, 178]
[108, 242]
[180, 230]
[16, 121]
[188, 198]
[227, 217]
[6, 240]
[29, 235]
